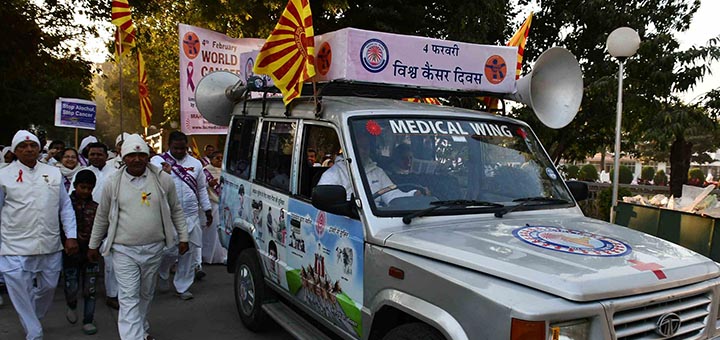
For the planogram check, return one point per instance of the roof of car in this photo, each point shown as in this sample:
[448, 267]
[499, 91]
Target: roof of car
[338, 108]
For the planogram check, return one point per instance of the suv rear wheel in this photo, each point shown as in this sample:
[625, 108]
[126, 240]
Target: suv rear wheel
[250, 291]
[412, 331]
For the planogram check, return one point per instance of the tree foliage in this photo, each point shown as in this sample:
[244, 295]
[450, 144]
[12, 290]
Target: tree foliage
[39, 64]
[653, 76]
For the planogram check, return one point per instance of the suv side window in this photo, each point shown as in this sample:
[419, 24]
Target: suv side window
[277, 140]
[320, 146]
[240, 147]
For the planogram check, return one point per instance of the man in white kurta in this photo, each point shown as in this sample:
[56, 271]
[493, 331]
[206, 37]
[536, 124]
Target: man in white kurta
[140, 214]
[383, 190]
[191, 189]
[33, 202]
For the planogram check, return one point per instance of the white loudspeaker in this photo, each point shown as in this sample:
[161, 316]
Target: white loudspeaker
[215, 96]
[553, 89]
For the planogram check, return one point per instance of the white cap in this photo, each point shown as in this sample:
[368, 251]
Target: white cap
[121, 137]
[86, 141]
[134, 144]
[21, 136]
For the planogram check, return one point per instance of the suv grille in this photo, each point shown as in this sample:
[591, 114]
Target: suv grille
[639, 323]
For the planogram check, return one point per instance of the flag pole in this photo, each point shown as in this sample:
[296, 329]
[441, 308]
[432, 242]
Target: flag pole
[120, 57]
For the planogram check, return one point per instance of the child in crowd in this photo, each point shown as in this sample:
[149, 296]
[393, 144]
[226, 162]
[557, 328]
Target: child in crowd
[78, 271]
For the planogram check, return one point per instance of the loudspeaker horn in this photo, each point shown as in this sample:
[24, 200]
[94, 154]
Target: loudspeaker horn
[553, 89]
[216, 94]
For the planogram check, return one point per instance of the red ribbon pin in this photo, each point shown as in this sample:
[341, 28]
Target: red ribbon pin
[19, 179]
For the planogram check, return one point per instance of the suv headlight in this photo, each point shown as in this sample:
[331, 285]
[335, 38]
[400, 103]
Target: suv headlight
[570, 330]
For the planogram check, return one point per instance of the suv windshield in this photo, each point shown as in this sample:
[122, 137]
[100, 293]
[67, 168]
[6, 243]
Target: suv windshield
[413, 163]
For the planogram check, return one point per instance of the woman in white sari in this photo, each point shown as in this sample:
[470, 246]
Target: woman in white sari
[68, 166]
[212, 251]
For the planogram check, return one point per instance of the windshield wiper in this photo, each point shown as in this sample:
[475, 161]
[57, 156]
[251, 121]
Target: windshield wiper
[525, 201]
[450, 203]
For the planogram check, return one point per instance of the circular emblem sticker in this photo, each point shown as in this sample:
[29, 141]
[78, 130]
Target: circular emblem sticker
[374, 55]
[572, 241]
[191, 45]
[495, 69]
[551, 173]
[324, 59]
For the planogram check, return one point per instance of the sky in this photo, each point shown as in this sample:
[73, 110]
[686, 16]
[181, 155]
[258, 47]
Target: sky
[702, 28]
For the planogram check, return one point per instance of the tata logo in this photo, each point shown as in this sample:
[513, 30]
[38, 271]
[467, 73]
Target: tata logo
[667, 325]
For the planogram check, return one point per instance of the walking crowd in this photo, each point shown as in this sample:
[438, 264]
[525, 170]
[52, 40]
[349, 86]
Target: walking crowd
[67, 213]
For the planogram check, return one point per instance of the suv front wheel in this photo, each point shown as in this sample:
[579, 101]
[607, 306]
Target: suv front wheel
[250, 291]
[414, 330]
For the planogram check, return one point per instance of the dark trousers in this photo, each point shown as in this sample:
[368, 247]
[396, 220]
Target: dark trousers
[76, 270]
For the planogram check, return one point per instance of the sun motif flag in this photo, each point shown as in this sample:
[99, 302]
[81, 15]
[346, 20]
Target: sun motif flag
[121, 16]
[288, 55]
[125, 32]
[123, 42]
[518, 39]
[143, 92]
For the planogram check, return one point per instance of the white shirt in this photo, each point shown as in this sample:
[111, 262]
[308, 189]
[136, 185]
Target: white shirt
[380, 184]
[191, 201]
[100, 177]
[31, 209]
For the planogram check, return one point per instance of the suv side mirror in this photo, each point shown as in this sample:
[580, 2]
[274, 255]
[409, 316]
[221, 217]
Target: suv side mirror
[578, 189]
[332, 198]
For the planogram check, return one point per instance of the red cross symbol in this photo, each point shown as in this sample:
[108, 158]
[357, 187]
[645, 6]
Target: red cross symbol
[654, 267]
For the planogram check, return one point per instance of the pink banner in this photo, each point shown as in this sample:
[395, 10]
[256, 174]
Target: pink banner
[203, 51]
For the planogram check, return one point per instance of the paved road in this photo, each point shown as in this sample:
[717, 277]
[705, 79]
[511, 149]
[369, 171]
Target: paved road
[211, 315]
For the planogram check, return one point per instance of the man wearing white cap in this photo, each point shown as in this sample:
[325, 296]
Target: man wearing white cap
[192, 192]
[82, 155]
[140, 213]
[33, 202]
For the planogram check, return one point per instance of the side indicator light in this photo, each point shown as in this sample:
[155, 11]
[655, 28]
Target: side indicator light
[396, 273]
[527, 330]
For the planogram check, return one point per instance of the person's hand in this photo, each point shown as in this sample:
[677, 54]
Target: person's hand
[93, 255]
[183, 248]
[213, 182]
[166, 167]
[208, 216]
[71, 246]
[51, 153]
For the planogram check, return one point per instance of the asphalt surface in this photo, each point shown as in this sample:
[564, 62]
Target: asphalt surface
[210, 315]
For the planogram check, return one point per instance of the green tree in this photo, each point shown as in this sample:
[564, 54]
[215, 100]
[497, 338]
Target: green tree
[658, 70]
[647, 174]
[625, 176]
[696, 177]
[589, 173]
[38, 64]
[660, 178]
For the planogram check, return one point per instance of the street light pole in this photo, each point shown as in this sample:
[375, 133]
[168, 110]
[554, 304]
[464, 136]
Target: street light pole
[618, 124]
[621, 43]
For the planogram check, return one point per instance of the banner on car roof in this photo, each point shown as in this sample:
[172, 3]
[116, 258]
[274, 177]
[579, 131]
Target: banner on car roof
[374, 57]
[203, 51]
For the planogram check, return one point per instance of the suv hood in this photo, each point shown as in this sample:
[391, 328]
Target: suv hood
[577, 258]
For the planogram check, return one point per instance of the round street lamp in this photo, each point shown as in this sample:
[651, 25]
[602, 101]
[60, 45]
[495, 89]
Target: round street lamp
[621, 44]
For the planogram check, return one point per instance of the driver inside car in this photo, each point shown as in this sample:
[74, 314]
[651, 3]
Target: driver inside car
[383, 189]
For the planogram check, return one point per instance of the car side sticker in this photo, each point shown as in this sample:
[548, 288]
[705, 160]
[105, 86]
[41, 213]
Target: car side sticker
[572, 241]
